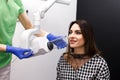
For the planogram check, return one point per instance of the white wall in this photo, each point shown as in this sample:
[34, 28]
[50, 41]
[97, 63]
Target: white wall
[56, 21]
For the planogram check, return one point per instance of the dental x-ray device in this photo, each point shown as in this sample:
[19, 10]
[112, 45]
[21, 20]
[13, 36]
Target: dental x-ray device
[40, 45]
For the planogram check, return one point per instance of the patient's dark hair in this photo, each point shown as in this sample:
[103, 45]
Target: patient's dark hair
[88, 35]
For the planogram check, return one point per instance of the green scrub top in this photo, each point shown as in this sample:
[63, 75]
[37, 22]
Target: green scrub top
[9, 12]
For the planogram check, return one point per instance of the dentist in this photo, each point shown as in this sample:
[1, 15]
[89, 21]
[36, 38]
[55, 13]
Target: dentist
[10, 11]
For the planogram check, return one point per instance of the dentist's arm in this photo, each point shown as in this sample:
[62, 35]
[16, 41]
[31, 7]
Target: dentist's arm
[25, 21]
[2, 47]
[19, 52]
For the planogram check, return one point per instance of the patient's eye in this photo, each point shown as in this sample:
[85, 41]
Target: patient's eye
[70, 32]
[78, 32]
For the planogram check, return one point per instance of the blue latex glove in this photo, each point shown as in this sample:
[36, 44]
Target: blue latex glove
[60, 43]
[19, 52]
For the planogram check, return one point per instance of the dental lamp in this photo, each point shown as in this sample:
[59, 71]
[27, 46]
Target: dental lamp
[39, 45]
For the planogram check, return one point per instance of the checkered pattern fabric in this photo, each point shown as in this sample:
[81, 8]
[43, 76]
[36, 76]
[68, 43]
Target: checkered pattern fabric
[95, 69]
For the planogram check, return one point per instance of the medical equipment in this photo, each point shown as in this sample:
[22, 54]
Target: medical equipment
[39, 45]
[49, 4]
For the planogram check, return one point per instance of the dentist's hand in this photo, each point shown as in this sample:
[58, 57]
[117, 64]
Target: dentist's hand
[19, 52]
[60, 43]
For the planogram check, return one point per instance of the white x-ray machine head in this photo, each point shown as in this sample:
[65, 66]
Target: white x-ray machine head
[39, 45]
